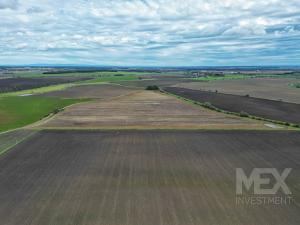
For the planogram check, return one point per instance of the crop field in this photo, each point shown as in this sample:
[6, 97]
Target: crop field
[161, 82]
[87, 73]
[275, 110]
[103, 91]
[127, 156]
[149, 177]
[18, 84]
[146, 110]
[267, 88]
[38, 91]
[111, 78]
[20, 111]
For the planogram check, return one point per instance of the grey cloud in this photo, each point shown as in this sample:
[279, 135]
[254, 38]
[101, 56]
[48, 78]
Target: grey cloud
[33, 10]
[9, 4]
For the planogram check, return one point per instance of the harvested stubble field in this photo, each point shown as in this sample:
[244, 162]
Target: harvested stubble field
[146, 110]
[102, 91]
[269, 109]
[267, 88]
[143, 178]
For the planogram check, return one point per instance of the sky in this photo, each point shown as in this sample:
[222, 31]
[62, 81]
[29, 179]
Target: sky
[150, 32]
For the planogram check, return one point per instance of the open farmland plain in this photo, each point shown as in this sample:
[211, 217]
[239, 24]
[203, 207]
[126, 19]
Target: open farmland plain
[143, 178]
[161, 82]
[269, 109]
[266, 88]
[145, 110]
[102, 91]
[134, 157]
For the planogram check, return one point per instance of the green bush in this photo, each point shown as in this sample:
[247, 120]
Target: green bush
[295, 125]
[152, 88]
[244, 114]
[57, 110]
[209, 106]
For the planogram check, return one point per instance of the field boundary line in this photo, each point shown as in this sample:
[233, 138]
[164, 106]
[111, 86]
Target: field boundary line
[2, 152]
[122, 85]
[36, 91]
[41, 90]
[206, 128]
[213, 108]
[52, 115]
[123, 95]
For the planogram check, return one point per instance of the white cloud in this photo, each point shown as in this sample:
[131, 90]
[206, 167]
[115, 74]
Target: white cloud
[21, 46]
[149, 31]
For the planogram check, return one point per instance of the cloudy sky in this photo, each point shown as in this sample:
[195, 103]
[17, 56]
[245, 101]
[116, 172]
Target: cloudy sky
[150, 32]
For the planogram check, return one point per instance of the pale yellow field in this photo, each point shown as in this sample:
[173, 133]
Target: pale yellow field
[146, 110]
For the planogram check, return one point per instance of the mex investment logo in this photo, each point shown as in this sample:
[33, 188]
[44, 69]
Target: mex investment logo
[263, 186]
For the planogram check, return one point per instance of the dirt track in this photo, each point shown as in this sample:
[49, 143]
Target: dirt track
[143, 178]
[275, 110]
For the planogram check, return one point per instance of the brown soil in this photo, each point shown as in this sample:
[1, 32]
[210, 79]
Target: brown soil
[275, 110]
[143, 178]
[102, 91]
[267, 88]
[147, 110]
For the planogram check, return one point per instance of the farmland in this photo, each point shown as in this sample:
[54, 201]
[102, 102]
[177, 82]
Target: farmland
[267, 88]
[12, 138]
[161, 82]
[149, 177]
[111, 78]
[90, 91]
[87, 73]
[274, 110]
[126, 155]
[149, 112]
[20, 111]
[146, 110]
[19, 84]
